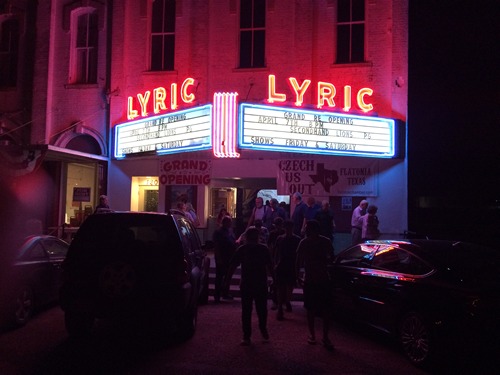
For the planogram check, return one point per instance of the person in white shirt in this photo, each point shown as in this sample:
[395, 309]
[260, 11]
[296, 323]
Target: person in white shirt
[355, 221]
[258, 212]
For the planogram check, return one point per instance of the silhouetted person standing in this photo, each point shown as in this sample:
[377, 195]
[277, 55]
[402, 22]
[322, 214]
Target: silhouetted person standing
[286, 254]
[325, 220]
[369, 224]
[224, 247]
[256, 265]
[298, 213]
[314, 254]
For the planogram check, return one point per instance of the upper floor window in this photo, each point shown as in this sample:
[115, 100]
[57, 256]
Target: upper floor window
[84, 52]
[9, 45]
[252, 33]
[350, 31]
[163, 35]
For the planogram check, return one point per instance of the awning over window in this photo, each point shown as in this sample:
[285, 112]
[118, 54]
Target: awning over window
[21, 160]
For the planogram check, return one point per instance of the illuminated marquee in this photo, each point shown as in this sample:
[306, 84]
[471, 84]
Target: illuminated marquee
[304, 131]
[181, 131]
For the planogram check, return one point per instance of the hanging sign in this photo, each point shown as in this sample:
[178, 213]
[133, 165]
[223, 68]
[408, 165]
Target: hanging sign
[181, 131]
[185, 172]
[328, 177]
[316, 132]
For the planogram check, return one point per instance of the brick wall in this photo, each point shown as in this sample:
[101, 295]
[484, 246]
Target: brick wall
[300, 38]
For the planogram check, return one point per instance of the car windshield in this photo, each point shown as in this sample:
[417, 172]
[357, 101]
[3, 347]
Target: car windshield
[146, 229]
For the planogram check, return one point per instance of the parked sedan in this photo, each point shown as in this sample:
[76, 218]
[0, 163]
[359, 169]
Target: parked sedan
[427, 293]
[33, 278]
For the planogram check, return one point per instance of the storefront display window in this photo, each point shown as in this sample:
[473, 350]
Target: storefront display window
[144, 194]
[80, 192]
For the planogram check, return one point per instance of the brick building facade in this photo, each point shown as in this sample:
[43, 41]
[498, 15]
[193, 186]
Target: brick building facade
[133, 48]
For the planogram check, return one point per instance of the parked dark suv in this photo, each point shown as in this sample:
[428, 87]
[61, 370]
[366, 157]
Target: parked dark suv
[148, 268]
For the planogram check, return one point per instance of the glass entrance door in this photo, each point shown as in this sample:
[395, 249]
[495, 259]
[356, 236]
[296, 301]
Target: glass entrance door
[223, 198]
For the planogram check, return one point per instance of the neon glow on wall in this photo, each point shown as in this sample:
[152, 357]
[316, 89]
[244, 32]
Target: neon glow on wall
[224, 125]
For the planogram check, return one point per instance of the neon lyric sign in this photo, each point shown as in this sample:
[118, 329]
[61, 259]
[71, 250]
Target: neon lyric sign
[156, 102]
[161, 99]
[325, 94]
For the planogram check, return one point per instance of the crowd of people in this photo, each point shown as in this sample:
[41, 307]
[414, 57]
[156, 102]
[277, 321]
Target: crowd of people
[291, 250]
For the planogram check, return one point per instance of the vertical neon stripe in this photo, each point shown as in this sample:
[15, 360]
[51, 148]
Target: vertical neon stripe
[224, 125]
[215, 126]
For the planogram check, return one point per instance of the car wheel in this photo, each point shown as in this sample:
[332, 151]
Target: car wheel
[24, 304]
[415, 338]
[78, 325]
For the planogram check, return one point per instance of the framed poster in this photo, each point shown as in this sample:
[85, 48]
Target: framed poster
[177, 193]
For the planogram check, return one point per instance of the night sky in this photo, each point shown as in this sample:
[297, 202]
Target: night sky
[453, 117]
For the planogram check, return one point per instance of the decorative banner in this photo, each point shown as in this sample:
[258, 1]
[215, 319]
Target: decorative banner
[315, 132]
[185, 172]
[181, 131]
[323, 178]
